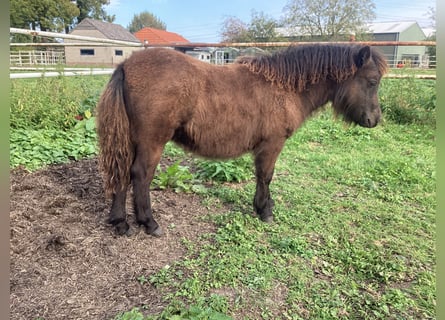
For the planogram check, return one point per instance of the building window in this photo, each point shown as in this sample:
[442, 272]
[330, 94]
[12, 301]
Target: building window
[118, 52]
[87, 52]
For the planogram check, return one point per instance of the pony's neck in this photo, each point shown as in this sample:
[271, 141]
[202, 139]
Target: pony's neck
[318, 95]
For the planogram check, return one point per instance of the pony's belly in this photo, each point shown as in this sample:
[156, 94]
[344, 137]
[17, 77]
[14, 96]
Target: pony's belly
[214, 144]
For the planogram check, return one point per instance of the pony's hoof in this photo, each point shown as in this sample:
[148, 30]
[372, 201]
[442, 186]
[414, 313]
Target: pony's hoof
[267, 219]
[156, 232]
[130, 232]
[122, 228]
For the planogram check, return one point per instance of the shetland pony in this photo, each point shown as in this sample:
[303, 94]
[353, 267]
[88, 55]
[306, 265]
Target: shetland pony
[222, 112]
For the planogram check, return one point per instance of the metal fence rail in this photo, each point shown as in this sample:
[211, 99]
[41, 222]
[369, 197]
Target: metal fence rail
[55, 56]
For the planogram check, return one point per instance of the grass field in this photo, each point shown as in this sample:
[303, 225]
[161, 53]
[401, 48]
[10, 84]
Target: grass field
[354, 230]
[353, 236]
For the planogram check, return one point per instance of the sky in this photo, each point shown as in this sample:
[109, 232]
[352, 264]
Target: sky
[201, 20]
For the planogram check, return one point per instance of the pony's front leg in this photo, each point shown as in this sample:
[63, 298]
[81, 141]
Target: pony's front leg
[142, 172]
[265, 158]
[118, 216]
[262, 202]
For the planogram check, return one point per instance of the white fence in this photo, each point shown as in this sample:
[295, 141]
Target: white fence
[36, 57]
[65, 72]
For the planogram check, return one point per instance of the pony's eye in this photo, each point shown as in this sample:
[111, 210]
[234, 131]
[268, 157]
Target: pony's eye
[372, 82]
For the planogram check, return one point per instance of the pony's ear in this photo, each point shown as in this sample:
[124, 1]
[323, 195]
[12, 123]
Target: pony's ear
[363, 56]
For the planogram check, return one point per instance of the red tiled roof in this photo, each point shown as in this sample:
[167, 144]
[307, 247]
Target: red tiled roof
[156, 36]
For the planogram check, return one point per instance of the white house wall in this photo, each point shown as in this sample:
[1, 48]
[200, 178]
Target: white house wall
[103, 56]
[413, 32]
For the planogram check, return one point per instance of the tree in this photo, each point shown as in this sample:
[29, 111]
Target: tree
[44, 15]
[328, 19]
[234, 30]
[145, 19]
[431, 50]
[93, 9]
[432, 15]
[261, 28]
[55, 15]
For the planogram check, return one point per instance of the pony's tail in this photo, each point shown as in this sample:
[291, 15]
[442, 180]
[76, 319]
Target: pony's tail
[113, 129]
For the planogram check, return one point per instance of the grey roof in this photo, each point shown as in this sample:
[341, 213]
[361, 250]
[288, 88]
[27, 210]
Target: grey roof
[109, 30]
[390, 27]
[376, 27]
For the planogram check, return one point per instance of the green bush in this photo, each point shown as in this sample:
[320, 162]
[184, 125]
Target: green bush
[235, 170]
[408, 100]
[179, 178]
[52, 103]
[51, 120]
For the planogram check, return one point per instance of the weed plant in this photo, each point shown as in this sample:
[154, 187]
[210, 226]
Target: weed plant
[409, 100]
[235, 170]
[52, 120]
[54, 102]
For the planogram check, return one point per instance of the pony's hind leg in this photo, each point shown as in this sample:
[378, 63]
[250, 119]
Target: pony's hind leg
[265, 157]
[142, 172]
[118, 216]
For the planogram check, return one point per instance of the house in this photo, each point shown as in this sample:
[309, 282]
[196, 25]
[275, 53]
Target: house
[222, 55]
[412, 56]
[149, 36]
[214, 55]
[104, 55]
[203, 54]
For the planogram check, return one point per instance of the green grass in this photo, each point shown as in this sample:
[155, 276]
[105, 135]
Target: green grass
[52, 120]
[353, 235]
[412, 71]
[409, 100]
[354, 230]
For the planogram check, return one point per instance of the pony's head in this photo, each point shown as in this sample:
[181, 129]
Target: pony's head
[352, 72]
[356, 98]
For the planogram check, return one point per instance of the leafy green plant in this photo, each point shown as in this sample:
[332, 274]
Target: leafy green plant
[408, 100]
[51, 120]
[235, 170]
[142, 280]
[133, 314]
[52, 103]
[179, 178]
[34, 149]
[198, 313]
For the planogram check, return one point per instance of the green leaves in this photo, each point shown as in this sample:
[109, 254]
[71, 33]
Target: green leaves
[145, 19]
[178, 178]
[51, 120]
[408, 100]
[235, 170]
[34, 149]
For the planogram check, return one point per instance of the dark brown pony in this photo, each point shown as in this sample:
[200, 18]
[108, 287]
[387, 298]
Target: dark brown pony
[221, 112]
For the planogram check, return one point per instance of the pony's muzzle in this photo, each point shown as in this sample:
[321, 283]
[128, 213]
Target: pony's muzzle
[370, 119]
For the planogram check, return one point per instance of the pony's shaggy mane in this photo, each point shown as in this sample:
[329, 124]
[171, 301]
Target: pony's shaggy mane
[298, 66]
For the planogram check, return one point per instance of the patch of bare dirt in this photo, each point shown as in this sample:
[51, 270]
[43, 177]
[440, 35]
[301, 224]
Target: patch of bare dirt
[66, 261]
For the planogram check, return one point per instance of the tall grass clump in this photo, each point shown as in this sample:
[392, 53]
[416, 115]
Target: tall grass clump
[52, 120]
[52, 102]
[408, 100]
